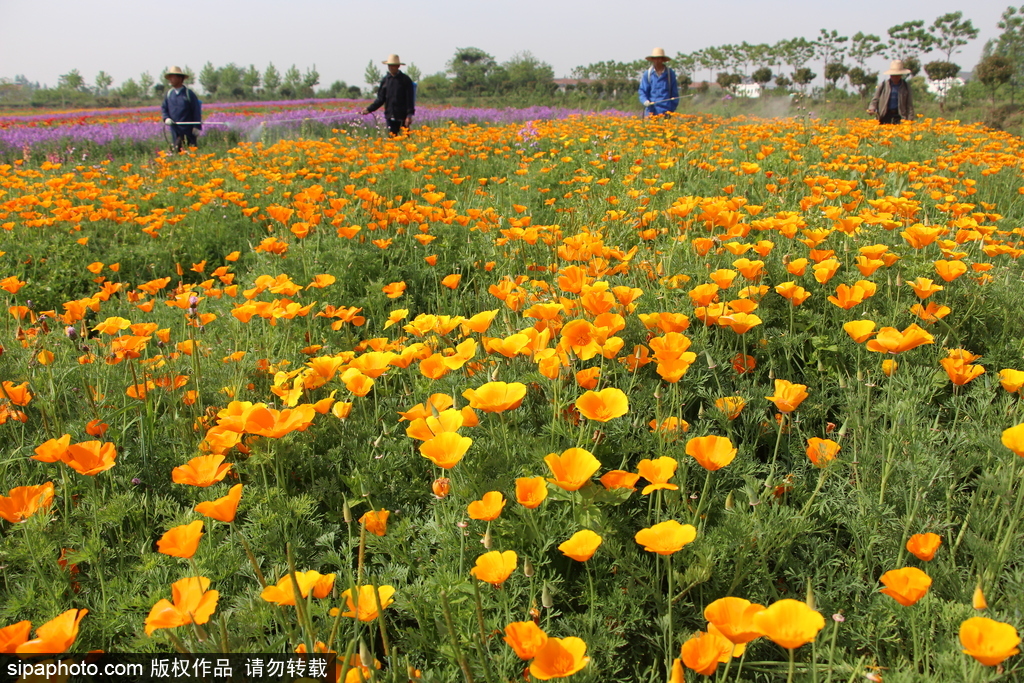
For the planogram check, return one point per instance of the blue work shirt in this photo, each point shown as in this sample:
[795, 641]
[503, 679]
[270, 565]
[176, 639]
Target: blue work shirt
[657, 88]
[181, 104]
[894, 97]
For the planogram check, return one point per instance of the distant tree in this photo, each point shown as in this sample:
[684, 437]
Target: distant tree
[251, 80]
[413, 72]
[803, 76]
[292, 83]
[1010, 44]
[146, 84]
[913, 65]
[727, 80]
[864, 46]
[209, 78]
[372, 75]
[994, 71]
[863, 81]
[611, 70]
[831, 50]
[684, 81]
[940, 71]
[103, 82]
[762, 76]
[435, 85]
[908, 40]
[72, 80]
[470, 68]
[129, 90]
[271, 80]
[230, 81]
[798, 51]
[526, 72]
[834, 71]
[783, 81]
[949, 33]
[310, 79]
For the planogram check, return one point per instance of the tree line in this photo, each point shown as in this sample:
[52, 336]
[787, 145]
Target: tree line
[791, 63]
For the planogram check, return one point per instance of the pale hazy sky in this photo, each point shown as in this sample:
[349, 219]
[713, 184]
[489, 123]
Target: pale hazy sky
[45, 38]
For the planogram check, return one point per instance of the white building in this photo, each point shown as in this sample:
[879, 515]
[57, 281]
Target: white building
[747, 90]
[942, 87]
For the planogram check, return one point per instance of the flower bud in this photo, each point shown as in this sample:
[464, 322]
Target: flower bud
[545, 598]
[346, 512]
[71, 332]
[528, 569]
[441, 487]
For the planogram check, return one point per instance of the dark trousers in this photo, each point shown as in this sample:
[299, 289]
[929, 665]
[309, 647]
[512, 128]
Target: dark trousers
[183, 136]
[396, 126]
[891, 116]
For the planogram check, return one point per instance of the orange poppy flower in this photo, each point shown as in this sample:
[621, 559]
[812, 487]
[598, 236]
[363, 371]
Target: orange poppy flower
[889, 366]
[891, 340]
[14, 635]
[451, 281]
[222, 509]
[22, 502]
[56, 635]
[426, 428]
[906, 586]
[495, 567]
[192, 604]
[581, 546]
[488, 508]
[394, 290]
[978, 599]
[496, 397]
[525, 638]
[961, 372]
[283, 593]
[588, 378]
[1011, 380]
[202, 471]
[1013, 438]
[734, 619]
[950, 270]
[446, 449]
[181, 541]
[859, 330]
[704, 651]
[924, 546]
[572, 469]
[788, 396]
[731, 406]
[559, 658]
[619, 479]
[821, 451]
[531, 491]
[711, 452]
[658, 472]
[989, 641]
[376, 522]
[366, 610]
[666, 538]
[18, 394]
[603, 405]
[789, 623]
[90, 457]
[52, 450]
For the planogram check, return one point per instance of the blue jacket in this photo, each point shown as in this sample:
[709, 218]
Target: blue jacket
[655, 88]
[183, 106]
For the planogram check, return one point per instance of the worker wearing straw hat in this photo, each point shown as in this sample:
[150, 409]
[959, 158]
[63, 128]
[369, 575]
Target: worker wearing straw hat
[892, 101]
[182, 110]
[659, 91]
[395, 93]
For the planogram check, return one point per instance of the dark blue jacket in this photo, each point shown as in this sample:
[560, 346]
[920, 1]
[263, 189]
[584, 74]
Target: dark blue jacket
[183, 106]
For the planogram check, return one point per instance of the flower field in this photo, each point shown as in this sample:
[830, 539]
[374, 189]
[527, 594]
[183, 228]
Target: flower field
[59, 135]
[592, 396]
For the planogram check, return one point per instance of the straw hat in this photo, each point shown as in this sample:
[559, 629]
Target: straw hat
[896, 68]
[175, 71]
[658, 53]
[393, 59]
